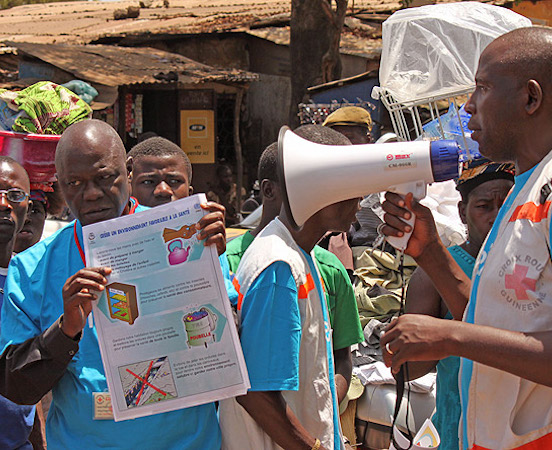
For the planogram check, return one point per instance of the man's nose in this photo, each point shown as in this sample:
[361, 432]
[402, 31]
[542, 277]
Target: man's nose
[163, 190]
[92, 192]
[494, 212]
[469, 106]
[4, 202]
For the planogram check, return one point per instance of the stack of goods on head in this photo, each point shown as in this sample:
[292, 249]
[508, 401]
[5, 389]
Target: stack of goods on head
[31, 122]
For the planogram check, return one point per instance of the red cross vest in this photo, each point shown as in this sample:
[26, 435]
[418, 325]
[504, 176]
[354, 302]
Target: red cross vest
[312, 403]
[512, 290]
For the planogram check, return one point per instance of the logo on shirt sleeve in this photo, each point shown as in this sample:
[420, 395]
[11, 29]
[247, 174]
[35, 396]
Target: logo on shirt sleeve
[530, 211]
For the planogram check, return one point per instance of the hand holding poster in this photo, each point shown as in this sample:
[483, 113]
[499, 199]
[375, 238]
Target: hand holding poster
[164, 322]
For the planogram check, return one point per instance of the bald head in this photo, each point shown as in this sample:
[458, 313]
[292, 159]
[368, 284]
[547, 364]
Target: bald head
[526, 53]
[92, 173]
[84, 137]
[10, 167]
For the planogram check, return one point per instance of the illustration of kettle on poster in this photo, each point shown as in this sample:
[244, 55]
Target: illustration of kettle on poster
[200, 326]
[177, 253]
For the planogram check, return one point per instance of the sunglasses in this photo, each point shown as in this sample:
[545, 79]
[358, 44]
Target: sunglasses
[14, 195]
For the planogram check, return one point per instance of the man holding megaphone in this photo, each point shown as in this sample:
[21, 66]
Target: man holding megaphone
[506, 376]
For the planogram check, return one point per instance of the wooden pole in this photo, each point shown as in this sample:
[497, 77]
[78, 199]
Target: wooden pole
[237, 146]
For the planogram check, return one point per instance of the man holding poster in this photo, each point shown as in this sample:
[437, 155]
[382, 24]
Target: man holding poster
[49, 294]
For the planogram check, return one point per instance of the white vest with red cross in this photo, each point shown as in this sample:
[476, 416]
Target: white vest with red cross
[313, 403]
[512, 290]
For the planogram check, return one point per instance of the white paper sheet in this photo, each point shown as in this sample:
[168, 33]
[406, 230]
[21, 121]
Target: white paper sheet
[165, 325]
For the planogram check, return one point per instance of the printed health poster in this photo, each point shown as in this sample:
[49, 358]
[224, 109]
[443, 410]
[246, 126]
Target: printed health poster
[164, 322]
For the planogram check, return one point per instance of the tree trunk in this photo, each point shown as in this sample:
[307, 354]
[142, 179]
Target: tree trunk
[314, 47]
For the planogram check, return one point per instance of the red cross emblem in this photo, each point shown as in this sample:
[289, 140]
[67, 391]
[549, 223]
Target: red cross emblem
[519, 282]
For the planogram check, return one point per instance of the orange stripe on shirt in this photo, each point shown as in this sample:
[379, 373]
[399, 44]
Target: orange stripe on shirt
[531, 212]
[542, 443]
[305, 288]
[240, 295]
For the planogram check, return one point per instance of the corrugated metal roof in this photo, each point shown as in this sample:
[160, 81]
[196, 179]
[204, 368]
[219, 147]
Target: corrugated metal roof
[350, 44]
[81, 22]
[117, 66]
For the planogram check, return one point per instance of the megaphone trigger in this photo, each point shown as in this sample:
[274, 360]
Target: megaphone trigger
[419, 191]
[400, 243]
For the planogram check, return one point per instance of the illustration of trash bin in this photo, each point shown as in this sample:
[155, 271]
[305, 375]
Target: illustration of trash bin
[200, 326]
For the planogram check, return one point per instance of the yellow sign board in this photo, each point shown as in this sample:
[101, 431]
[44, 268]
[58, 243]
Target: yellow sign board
[197, 135]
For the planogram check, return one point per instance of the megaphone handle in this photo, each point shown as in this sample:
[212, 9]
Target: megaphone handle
[400, 243]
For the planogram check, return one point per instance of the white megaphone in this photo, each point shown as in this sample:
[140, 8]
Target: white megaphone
[313, 176]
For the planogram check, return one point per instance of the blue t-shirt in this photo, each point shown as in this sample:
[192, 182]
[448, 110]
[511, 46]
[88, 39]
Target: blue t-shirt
[17, 420]
[270, 333]
[271, 330]
[33, 303]
[449, 409]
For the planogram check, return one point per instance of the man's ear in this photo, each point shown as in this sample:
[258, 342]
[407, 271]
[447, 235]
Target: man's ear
[129, 165]
[462, 211]
[267, 189]
[190, 190]
[534, 96]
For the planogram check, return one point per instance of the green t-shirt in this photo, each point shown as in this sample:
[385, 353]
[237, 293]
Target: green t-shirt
[339, 291]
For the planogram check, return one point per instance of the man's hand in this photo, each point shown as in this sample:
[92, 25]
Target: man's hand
[211, 226]
[78, 293]
[425, 232]
[415, 337]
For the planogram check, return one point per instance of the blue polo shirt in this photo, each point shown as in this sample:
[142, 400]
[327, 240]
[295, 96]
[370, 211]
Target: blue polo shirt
[33, 303]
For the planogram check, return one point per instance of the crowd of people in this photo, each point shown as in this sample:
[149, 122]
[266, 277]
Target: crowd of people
[479, 312]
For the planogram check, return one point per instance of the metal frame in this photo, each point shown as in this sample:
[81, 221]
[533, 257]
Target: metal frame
[398, 112]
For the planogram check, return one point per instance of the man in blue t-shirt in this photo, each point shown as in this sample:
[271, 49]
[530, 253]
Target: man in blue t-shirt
[285, 333]
[48, 299]
[16, 420]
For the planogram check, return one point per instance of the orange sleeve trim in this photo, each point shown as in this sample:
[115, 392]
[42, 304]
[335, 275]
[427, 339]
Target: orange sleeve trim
[542, 443]
[240, 295]
[305, 288]
[531, 212]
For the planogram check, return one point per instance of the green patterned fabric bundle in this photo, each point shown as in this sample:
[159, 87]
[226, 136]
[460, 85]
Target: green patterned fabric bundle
[45, 108]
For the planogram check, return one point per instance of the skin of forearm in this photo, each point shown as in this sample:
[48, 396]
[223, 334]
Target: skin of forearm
[451, 281]
[274, 416]
[343, 371]
[528, 356]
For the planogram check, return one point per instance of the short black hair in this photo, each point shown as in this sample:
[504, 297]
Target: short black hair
[321, 135]
[268, 163]
[159, 146]
[222, 169]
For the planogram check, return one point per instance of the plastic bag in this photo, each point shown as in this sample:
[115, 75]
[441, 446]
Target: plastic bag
[434, 50]
[452, 129]
[83, 89]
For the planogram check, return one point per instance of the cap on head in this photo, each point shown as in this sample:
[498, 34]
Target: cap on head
[349, 116]
[479, 171]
